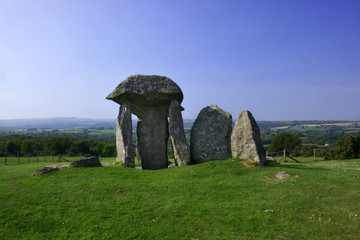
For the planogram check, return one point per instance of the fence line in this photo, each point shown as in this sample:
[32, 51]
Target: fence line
[284, 154]
[6, 158]
[19, 157]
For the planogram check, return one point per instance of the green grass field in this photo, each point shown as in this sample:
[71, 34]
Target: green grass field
[215, 200]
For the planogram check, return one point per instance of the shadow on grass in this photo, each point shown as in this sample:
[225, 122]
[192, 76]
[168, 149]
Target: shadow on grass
[297, 166]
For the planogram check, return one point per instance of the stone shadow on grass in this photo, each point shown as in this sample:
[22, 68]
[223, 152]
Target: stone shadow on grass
[298, 166]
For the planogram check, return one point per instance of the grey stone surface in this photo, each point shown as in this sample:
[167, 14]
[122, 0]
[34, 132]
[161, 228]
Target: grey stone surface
[210, 135]
[45, 170]
[138, 150]
[246, 140]
[153, 135]
[87, 162]
[282, 175]
[60, 165]
[124, 145]
[143, 91]
[177, 134]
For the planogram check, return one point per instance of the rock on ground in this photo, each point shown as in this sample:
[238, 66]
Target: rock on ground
[282, 175]
[45, 170]
[210, 135]
[86, 162]
[246, 140]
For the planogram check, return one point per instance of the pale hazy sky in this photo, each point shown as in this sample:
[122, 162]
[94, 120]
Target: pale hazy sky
[280, 59]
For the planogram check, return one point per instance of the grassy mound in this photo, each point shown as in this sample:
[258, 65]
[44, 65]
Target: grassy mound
[215, 200]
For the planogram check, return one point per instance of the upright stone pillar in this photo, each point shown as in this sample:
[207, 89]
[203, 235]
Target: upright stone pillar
[124, 146]
[246, 140]
[210, 135]
[177, 134]
[153, 135]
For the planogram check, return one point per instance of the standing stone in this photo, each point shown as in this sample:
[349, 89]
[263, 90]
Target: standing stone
[153, 135]
[177, 134]
[246, 140]
[124, 146]
[210, 135]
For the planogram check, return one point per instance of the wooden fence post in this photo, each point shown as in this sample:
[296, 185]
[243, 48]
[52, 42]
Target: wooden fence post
[5, 157]
[314, 154]
[284, 155]
[18, 157]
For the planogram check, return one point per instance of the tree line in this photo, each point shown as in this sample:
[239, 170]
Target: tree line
[64, 145]
[347, 147]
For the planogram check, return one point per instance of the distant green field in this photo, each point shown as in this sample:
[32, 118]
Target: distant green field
[216, 200]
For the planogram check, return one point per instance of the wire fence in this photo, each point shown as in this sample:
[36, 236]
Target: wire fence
[284, 154]
[18, 158]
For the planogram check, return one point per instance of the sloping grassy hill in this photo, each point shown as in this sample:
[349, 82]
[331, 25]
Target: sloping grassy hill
[215, 200]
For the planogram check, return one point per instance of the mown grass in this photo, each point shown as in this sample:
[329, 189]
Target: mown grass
[215, 200]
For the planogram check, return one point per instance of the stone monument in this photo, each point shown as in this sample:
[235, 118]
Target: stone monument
[152, 99]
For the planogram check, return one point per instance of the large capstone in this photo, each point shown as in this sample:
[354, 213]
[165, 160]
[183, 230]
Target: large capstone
[124, 145]
[245, 139]
[210, 135]
[142, 91]
[177, 134]
[153, 135]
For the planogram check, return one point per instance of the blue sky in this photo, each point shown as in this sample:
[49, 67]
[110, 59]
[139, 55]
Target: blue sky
[280, 59]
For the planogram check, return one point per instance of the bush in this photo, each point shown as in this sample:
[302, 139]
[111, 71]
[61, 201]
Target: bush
[109, 150]
[348, 147]
[285, 140]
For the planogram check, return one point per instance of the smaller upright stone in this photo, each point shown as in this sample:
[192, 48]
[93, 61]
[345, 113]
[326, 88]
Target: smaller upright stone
[124, 146]
[210, 135]
[246, 140]
[177, 134]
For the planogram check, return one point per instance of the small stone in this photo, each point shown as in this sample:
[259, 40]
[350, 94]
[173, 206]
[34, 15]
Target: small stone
[86, 162]
[282, 175]
[45, 170]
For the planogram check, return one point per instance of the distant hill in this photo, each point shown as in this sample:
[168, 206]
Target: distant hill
[70, 123]
[58, 123]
